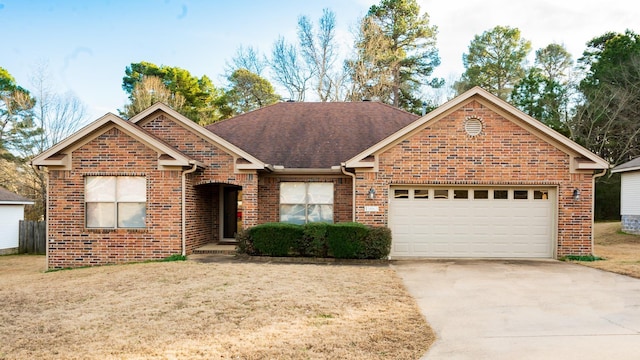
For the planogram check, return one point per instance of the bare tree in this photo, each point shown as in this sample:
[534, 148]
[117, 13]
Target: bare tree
[247, 58]
[58, 115]
[289, 70]
[607, 122]
[150, 91]
[368, 81]
[319, 50]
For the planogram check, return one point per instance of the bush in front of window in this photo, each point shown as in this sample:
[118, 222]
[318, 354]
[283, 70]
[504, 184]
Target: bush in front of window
[274, 239]
[342, 240]
[346, 240]
[314, 241]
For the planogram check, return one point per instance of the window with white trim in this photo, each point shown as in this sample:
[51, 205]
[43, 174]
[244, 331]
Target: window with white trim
[115, 201]
[302, 202]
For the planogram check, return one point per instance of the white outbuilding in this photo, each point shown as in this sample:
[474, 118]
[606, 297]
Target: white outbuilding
[11, 212]
[629, 195]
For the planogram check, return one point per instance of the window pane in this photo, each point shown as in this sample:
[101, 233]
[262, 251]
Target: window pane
[401, 194]
[520, 194]
[101, 215]
[100, 188]
[540, 194]
[132, 215]
[320, 193]
[320, 213]
[501, 194]
[441, 194]
[132, 188]
[480, 194]
[293, 193]
[294, 214]
[420, 194]
[460, 194]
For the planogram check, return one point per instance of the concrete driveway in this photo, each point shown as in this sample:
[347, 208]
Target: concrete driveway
[525, 309]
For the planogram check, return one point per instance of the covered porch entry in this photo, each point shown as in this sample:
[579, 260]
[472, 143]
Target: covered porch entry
[217, 216]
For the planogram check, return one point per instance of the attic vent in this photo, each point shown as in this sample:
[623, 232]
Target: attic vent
[473, 126]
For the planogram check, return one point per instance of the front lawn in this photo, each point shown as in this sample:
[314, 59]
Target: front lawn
[232, 310]
[621, 252]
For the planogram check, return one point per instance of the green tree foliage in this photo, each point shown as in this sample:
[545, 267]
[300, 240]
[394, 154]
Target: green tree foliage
[396, 55]
[247, 92]
[544, 92]
[495, 61]
[200, 95]
[150, 91]
[16, 115]
[608, 120]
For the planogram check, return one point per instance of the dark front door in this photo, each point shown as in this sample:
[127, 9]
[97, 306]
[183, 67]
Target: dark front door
[231, 212]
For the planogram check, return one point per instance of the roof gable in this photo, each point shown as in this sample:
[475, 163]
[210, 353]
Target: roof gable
[245, 160]
[583, 158]
[60, 154]
[312, 135]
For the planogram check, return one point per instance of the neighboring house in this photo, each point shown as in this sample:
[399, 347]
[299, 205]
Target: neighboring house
[11, 212]
[474, 178]
[629, 195]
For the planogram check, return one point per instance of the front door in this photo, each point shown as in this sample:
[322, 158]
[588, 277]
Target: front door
[231, 211]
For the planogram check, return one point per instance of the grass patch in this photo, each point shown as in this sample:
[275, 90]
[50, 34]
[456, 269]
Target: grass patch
[588, 258]
[174, 257]
[191, 310]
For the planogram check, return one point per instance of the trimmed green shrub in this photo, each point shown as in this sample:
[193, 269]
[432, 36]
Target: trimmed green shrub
[342, 240]
[377, 243]
[345, 240]
[274, 239]
[314, 240]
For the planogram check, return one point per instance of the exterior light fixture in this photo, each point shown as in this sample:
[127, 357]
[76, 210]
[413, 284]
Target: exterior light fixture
[576, 194]
[371, 194]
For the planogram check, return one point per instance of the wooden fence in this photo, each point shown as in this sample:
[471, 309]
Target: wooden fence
[32, 237]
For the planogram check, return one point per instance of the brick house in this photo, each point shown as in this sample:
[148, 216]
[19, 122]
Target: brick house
[474, 178]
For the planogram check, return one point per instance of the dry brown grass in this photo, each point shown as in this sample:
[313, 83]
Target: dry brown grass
[620, 251]
[234, 310]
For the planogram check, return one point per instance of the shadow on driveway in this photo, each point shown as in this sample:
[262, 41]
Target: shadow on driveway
[499, 309]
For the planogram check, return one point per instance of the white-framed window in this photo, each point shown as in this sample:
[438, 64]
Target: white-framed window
[302, 202]
[115, 201]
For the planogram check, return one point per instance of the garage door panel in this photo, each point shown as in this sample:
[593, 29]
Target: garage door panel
[431, 227]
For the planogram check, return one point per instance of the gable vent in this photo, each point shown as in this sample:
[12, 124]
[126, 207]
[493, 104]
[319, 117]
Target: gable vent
[473, 126]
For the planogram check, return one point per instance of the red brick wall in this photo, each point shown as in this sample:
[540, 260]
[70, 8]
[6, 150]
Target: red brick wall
[504, 153]
[269, 196]
[114, 154]
[202, 226]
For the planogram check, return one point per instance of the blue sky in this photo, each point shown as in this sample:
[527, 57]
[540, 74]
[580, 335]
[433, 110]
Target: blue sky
[87, 44]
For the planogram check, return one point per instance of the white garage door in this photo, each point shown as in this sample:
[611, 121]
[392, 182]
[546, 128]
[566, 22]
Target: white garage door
[472, 222]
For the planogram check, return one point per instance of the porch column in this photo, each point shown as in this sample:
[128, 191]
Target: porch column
[250, 200]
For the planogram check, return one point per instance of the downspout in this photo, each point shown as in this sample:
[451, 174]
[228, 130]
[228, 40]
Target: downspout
[593, 206]
[194, 167]
[343, 168]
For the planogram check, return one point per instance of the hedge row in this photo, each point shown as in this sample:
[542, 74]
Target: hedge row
[342, 240]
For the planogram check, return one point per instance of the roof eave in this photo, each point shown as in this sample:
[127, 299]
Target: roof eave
[18, 202]
[634, 168]
[305, 171]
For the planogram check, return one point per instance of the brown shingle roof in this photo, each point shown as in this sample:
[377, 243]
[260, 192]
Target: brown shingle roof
[8, 196]
[312, 135]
